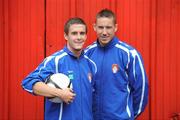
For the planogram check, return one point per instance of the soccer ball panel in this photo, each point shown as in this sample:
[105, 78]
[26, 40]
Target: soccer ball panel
[58, 80]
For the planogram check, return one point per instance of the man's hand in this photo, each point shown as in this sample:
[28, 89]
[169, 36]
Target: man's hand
[67, 95]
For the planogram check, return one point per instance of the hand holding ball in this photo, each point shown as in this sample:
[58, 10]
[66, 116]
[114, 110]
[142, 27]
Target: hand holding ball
[58, 80]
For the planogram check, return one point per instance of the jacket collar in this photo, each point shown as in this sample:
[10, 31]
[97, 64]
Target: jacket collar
[65, 49]
[110, 44]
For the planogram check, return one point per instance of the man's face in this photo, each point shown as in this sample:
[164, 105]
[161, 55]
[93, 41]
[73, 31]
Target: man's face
[105, 29]
[76, 37]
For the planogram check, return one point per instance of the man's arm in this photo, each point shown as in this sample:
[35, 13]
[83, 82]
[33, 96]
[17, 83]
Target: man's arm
[34, 83]
[42, 89]
[138, 81]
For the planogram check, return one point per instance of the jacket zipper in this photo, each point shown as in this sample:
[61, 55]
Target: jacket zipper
[101, 85]
[78, 61]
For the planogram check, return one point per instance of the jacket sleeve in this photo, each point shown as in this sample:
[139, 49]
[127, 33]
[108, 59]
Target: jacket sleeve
[38, 75]
[138, 82]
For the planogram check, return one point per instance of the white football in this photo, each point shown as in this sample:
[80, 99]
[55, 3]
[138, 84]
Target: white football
[58, 80]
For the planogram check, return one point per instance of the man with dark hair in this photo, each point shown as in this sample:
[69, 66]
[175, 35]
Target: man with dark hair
[72, 62]
[121, 85]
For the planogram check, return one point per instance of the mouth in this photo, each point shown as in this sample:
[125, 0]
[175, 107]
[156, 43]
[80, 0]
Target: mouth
[104, 37]
[79, 42]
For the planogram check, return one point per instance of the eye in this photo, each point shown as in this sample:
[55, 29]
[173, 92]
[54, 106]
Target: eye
[82, 33]
[108, 27]
[100, 27]
[74, 33]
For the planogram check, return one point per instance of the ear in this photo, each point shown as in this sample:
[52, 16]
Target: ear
[86, 37]
[116, 27]
[94, 26]
[65, 36]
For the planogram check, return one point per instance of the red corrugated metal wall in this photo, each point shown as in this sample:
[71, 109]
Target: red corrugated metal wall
[1, 51]
[165, 52]
[22, 48]
[31, 29]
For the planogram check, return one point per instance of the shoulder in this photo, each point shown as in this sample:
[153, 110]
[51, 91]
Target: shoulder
[128, 49]
[124, 46]
[91, 62]
[90, 47]
[128, 52]
[55, 56]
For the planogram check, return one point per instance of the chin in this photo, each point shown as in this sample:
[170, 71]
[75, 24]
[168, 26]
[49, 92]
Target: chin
[104, 42]
[78, 49]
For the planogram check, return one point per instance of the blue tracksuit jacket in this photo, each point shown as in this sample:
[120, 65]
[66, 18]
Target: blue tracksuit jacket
[121, 86]
[80, 71]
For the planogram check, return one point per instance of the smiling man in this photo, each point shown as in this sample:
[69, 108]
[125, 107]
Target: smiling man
[121, 86]
[71, 61]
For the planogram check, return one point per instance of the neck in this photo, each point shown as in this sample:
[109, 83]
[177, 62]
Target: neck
[76, 53]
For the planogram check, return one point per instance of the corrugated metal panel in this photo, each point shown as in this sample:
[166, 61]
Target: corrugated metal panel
[1, 51]
[5, 66]
[166, 68]
[152, 26]
[23, 47]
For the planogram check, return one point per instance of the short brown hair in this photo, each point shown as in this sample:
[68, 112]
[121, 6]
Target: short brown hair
[72, 21]
[106, 13]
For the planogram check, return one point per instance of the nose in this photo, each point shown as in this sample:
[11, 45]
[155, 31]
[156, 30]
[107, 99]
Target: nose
[78, 36]
[104, 32]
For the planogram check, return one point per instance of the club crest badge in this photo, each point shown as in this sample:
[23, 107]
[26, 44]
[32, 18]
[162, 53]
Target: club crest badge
[115, 68]
[89, 77]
